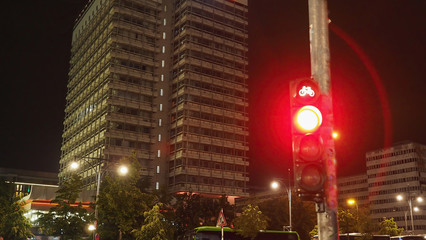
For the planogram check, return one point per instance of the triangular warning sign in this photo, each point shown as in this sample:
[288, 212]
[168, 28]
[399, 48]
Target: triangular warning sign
[221, 222]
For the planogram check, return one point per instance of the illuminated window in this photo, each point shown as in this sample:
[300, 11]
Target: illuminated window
[162, 77]
[161, 92]
[158, 153]
[159, 137]
[161, 107]
[157, 185]
[164, 22]
[162, 63]
[158, 169]
[164, 35]
[163, 49]
[159, 122]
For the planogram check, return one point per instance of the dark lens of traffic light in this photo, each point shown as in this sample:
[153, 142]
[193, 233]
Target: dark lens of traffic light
[311, 178]
[310, 147]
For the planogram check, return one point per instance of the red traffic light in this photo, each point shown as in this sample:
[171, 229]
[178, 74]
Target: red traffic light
[308, 119]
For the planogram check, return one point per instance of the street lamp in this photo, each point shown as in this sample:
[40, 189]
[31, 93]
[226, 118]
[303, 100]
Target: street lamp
[410, 205]
[122, 170]
[352, 202]
[275, 185]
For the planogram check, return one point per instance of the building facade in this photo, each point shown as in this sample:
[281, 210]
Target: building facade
[391, 172]
[399, 170]
[353, 187]
[166, 79]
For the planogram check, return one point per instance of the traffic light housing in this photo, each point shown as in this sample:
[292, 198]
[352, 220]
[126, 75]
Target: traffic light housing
[308, 111]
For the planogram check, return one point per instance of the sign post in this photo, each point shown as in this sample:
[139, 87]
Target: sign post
[221, 222]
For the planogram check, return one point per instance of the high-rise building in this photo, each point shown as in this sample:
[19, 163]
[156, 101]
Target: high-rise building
[398, 171]
[168, 80]
[394, 184]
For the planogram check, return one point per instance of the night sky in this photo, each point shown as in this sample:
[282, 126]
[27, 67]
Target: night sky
[378, 66]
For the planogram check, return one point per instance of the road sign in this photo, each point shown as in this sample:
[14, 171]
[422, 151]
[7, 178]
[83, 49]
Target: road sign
[221, 222]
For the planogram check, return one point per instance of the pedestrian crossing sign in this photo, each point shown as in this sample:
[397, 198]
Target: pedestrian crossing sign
[221, 222]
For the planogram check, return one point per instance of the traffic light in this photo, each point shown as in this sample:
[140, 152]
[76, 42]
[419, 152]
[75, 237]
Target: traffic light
[307, 111]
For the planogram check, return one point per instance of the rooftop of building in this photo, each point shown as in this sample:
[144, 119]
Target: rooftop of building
[29, 176]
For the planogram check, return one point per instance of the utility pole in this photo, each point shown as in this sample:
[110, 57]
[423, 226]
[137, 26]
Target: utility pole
[320, 71]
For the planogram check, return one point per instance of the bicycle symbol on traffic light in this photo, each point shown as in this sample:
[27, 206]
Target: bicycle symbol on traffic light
[306, 90]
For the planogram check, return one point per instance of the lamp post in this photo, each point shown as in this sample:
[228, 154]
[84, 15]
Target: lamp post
[411, 208]
[275, 185]
[122, 170]
[351, 202]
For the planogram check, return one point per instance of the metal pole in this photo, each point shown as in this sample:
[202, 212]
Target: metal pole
[96, 200]
[411, 214]
[406, 224]
[320, 71]
[289, 199]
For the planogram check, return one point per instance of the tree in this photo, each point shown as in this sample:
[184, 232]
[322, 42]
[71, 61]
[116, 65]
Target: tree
[188, 212]
[251, 221]
[277, 212]
[121, 203]
[365, 223]
[347, 221]
[68, 218]
[313, 232]
[13, 224]
[304, 217]
[155, 226]
[389, 227]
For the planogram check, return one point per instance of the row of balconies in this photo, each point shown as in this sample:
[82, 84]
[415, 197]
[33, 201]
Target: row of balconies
[114, 100]
[135, 120]
[209, 173]
[211, 125]
[210, 157]
[135, 88]
[207, 189]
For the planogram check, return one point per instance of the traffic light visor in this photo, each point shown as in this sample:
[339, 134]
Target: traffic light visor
[308, 119]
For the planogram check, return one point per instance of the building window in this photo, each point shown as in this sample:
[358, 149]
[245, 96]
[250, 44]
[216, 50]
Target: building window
[161, 92]
[164, 22]
[158, 169]
[162, 63]
[163, 49]
[164, 35]
[159, 122]
[161, 107]
[158, 153]
[162, 77]
[157, 185]
[159, 137]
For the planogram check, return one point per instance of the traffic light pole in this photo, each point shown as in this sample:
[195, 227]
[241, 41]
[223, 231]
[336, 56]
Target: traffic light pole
[320, 71]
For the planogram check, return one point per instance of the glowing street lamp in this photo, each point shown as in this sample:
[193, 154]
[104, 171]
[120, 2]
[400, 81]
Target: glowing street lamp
[91, 227]
[410, 204]
[122, 170]
[276, 185]
[335, 135]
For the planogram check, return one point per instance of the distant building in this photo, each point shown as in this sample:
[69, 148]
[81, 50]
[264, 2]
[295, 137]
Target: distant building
[37, 188]
[398, 170]
[167, 79]
[353, 187]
